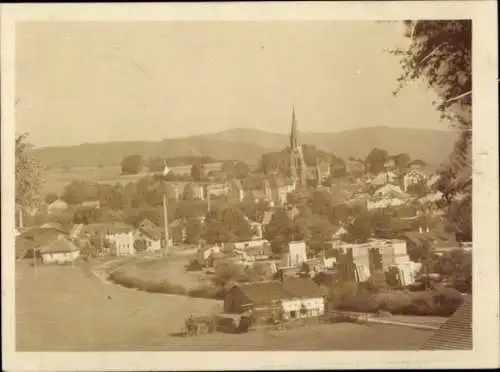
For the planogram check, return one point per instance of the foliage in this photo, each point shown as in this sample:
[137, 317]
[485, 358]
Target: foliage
[155, 164]
[282, 230]
[87, 215]
[140, 245]
[194, 230]
[197, 171]
[28, 174]
[132, 164]
[226, 224]
[454, 267]
[440, 52]
[376, 282]
[376, 159]
[418, 189]
[402, 161]
[360, 230]
[50, 198]
[318, 231]
[227, 272]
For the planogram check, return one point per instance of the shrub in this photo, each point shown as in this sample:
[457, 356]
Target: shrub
[194, 265]
[376, 282]
[206, 291]
[131, 281]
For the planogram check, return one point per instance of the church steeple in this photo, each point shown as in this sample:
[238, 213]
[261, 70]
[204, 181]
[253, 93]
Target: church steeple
[297, 164]
[294, 140]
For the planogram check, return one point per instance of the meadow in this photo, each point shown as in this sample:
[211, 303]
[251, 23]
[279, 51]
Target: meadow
[57, 178]
[66, 308]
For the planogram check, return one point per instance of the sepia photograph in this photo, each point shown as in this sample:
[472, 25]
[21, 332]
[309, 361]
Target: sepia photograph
[249, 184]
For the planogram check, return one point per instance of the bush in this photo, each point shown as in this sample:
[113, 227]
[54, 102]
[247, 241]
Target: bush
[131, 281]
[443, 302]
[375, 283]
[194, 265]
[206, 291]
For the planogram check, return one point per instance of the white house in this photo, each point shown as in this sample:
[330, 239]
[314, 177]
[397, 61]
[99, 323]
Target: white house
[59, 251]
[150, 236]
[57, 206]
[122, 243]
[307, 298]
[296, 254]
[413, 177]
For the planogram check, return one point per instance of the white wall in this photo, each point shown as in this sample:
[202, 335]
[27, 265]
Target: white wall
[314, 305]
[60, 257]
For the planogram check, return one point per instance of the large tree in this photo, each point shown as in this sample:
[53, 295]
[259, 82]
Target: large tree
[132, 164]
[440, 53]
[226, 223]
[28, 175]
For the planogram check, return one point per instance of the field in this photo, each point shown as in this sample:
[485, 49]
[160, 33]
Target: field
[57, 178]
[171, 269]
[69, 309]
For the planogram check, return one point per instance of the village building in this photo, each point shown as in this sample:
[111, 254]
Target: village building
[383, 178]
[413, 177]
[194, 190]
[217, 189]
[236, 193]
[290, 299]
[95, 204]
[56, 206]
[296, 254]
[31, 239]
[59, 251]
[119, 236]
[359, 261]
[148, 237]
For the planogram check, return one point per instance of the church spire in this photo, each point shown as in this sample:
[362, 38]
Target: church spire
[294, 140]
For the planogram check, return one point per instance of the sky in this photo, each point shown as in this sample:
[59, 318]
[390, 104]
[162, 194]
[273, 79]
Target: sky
[120, 81]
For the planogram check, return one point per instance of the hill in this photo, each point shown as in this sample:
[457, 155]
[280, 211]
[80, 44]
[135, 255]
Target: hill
[433, 146]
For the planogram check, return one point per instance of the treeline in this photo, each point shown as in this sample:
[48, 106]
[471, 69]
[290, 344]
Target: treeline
[135, 163]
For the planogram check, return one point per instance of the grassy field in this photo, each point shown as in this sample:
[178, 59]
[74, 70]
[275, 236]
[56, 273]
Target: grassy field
[69, 309]
[57, 178]
[171, 269]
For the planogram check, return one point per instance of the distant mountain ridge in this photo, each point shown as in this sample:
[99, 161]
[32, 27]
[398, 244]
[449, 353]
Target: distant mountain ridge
[433, 146]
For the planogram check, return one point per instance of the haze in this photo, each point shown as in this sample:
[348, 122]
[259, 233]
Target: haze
[99, 82]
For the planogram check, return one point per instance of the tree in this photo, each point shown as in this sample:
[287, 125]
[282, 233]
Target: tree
[376, 159]
[226, 223]
[319, 231]
[440, 52]
[360, 230]
[51, 197]
[28, 175]
[402, 160]
[197, 171]
[75, 192]
[194, 230]
[132, 164]
[156, 164]
[241, 170]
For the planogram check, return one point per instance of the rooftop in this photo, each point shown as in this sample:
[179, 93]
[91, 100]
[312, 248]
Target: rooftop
[455, 333]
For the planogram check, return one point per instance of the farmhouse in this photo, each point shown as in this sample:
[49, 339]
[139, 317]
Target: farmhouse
[119, 235]
[292, 298]
[60, 251]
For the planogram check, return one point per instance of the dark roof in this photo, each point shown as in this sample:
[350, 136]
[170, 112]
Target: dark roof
[106, 228]
[147, 223]
[58, 246]
[263, 292]
[435, 239]
[303, 287]
[152, 232]
[455, 333]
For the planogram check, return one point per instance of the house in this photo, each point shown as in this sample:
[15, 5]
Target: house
[419, 242]
[57, 206]
[91, 204]
[390, 191]
[295, 255]
[59, 251]
[194, 191]
[292, 298]
[384, 178]
[177, 230]
[360, 261]
[217, 189]
[119, 235]
[148, 237]
[308, 298]
[413, 177]
[236, 193]
[455, 333]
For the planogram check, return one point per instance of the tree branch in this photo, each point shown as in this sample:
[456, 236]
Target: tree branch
[460, 96]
